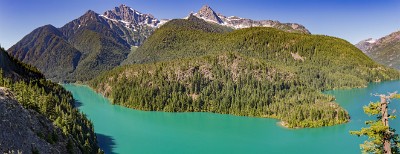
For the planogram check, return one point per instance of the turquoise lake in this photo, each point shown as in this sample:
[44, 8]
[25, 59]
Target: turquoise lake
[123, 130]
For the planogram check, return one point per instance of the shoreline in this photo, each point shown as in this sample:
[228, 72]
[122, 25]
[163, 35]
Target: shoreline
[280, 122]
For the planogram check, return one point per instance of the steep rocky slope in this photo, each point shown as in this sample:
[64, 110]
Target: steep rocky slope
[37, 115]
[27, 131]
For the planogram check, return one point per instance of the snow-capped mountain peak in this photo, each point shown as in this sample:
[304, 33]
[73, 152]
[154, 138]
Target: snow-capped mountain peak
[131, 17]
[208, 14]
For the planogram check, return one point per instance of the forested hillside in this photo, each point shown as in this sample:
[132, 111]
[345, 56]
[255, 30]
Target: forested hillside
[34, 92]
[260, 72]
[78, 51]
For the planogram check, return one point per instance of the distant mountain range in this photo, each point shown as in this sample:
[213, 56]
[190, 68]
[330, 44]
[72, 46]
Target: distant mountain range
[385, 50]
[208, 14]
[93, 43]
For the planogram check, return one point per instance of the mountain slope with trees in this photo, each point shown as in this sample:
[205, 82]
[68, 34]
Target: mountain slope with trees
[264, 72]
[47, 49]
[56, 126]
[86, 46]
[68, 54]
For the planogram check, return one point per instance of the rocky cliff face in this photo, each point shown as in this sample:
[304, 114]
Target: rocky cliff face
[131, 17]
[129, 26]
[133, 26]
[385, 50]
[26, 131]
[208, 14]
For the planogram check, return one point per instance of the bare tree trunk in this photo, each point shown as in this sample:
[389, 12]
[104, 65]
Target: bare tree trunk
[385, 121]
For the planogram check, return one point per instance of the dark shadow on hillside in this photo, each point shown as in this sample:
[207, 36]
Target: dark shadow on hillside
[106, 143]
[78, 104]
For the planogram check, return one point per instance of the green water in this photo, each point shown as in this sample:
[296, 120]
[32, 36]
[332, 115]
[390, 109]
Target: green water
[123, 130]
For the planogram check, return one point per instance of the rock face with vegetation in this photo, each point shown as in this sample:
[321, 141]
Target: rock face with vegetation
[193, 65]
[37, 115]
[27, 131]
[385, 50]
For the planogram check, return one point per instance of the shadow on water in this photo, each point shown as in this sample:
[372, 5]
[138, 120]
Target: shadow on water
[78, 104]
[106, 143]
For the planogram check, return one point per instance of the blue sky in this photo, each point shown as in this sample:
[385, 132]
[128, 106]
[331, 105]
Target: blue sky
[352, 20]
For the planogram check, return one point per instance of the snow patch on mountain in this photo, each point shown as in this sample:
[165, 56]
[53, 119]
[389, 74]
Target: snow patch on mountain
[371, 41]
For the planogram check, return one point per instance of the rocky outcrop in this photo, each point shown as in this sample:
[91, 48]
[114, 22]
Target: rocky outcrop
[26, 131]
[131, 25]
[131, 17]
[208, 14]
[365, 45]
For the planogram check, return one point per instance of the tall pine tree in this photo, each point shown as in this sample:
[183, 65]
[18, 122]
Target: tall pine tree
[381, 137]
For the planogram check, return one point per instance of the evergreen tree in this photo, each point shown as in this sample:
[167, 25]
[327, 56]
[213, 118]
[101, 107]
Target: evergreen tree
[381, 137]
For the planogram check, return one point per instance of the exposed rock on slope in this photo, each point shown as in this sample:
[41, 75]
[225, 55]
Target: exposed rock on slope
[27, 131]
[32, 120]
